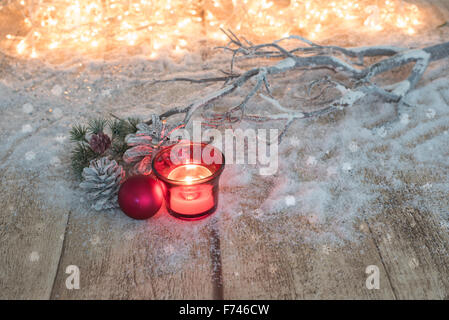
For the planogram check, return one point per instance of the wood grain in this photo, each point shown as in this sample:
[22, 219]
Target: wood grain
[30, 233]
[30, 237]
[123, 259]
[165, 259]
[257, 266]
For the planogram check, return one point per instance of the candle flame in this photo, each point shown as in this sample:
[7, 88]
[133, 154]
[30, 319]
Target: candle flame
[189, 173]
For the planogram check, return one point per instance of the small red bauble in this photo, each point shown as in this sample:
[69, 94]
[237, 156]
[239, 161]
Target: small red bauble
[140, 197]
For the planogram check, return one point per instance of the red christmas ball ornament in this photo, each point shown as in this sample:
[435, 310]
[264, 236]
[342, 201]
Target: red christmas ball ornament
[140, 197]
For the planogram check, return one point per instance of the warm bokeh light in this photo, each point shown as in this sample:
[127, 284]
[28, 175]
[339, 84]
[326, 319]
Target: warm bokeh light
[89, 26]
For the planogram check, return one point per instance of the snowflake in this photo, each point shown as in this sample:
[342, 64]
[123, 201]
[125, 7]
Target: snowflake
[311, 161]
[27, 128]
[56, 90]
[27, 108]
[430, 113]
[106, 93]
[34, 256]
[353, 147]
[60, 139]
[346, 167]
[404, 119]
[30, 155]
[290, 201]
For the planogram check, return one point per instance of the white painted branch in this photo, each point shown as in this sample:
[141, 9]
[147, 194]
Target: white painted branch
[314, 56]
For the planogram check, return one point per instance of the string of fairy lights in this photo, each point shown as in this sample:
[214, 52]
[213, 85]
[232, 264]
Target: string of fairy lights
[86, 26]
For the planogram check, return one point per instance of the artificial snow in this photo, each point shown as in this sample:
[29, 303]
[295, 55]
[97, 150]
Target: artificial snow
[28, 108]
[328, 168]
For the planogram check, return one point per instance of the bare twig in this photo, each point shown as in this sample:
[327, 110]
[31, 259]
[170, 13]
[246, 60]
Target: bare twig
[307, 57]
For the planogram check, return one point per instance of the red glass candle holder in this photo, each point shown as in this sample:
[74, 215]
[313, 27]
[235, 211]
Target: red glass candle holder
[189, 173]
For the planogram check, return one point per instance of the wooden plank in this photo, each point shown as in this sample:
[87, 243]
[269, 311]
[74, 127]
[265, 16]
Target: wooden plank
[259, 265]
[411, 239]
[120, 258]
[30, 237]
[30, 232]
[408, 245]
[414, 250]
[163, 258]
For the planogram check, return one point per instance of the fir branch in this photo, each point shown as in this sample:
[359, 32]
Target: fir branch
[118, 149]
[133, 122]
[117, 127]
[78, 133]
[121, 128]
[96, 126]
[81, 157]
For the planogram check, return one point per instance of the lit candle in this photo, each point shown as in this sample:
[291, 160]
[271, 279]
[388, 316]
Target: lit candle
[191, 199]
[189, 178]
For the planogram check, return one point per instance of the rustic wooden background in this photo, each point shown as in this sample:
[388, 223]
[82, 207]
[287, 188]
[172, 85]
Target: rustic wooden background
[36, 248]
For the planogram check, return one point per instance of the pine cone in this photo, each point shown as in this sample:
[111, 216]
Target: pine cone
[102, 181]
[100, 142]
[145, 142]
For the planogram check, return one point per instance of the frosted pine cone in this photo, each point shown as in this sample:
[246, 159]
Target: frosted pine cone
[101, 182]
[100, 142]
[144, 143]
[155, 130]
[140, 153]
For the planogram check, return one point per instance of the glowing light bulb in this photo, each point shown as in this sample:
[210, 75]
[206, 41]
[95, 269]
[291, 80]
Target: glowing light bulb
[82, 26]
[156, 45]
[21, 47]
[53, 45]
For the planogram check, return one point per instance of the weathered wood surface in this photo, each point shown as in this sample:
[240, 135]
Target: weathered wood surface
[30, 234]
[124, 259]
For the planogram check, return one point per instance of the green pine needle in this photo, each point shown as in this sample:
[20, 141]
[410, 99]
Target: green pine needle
[78, 133]
[81, 157]
[118, 128]
[121, 128]
[97, 125]
[118, 149]
[82, 154]
[133, 122]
